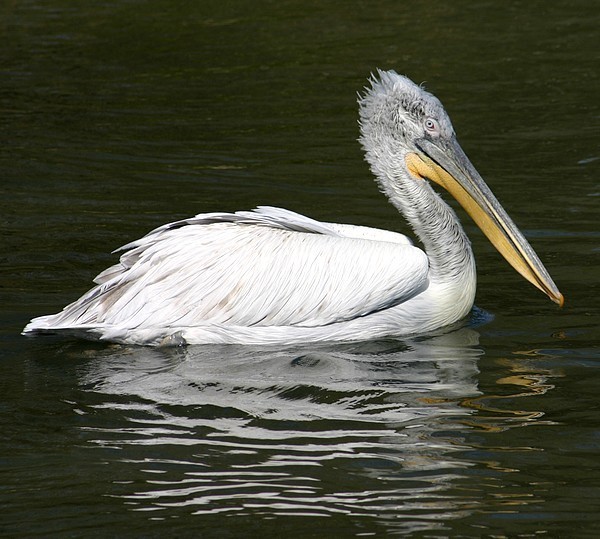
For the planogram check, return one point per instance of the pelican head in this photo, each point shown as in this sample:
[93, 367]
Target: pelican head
[409, 141]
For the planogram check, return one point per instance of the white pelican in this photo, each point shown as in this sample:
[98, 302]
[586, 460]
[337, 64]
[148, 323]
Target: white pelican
[271, 276]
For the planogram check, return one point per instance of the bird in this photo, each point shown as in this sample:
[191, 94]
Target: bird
[271, 276]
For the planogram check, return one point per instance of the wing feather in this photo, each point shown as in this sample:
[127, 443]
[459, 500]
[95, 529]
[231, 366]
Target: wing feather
[266, 268]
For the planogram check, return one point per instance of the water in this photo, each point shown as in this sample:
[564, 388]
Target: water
[120, 116]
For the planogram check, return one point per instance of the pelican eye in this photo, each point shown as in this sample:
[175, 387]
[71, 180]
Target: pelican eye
[432, 126]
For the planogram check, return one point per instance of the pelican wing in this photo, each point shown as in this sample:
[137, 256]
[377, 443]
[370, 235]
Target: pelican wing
[266, 268]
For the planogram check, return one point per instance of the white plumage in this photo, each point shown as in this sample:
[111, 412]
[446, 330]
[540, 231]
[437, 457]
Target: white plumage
[273, 276]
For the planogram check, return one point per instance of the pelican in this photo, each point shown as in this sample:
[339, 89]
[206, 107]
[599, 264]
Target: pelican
[272, 276]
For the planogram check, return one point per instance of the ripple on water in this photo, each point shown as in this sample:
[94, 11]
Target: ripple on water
[360, 428]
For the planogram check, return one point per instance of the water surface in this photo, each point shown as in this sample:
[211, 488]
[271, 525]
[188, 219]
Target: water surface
[120, 116]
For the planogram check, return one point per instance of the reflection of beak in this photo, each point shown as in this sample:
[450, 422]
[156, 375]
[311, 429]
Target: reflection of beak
[449, 167]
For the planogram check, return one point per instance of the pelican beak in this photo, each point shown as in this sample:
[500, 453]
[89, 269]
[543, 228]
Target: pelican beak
[446, 164]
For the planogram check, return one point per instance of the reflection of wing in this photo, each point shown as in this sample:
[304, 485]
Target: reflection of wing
[273, 268]
[378, 381]
[370, 428]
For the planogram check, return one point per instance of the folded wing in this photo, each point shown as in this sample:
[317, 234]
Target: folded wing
[270, 267]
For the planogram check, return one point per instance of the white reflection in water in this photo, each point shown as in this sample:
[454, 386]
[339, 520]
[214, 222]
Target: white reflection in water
[364, 429]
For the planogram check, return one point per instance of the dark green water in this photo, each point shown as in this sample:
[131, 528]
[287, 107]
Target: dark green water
[117, 117]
